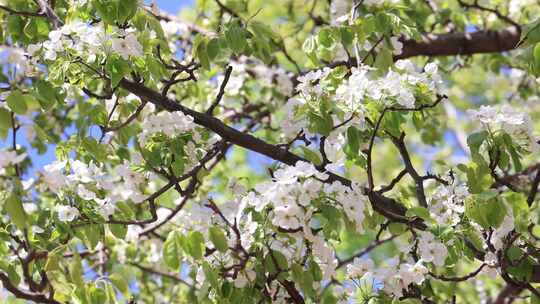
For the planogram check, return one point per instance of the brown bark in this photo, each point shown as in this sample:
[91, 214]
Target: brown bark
[507, 293]
[462, 43]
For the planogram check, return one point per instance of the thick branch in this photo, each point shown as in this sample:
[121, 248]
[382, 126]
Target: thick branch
[462, 43]
[38, 298]
[452, 44]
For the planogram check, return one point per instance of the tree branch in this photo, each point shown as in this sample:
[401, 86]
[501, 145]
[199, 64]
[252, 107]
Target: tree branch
[38, 298]
[452, 44]
[21, 13]
[221, 92]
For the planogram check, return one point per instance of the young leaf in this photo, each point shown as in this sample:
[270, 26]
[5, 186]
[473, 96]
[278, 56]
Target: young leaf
[236, 38]
[217, 237]
[196, 244]
[172, 250]
[17, 102]
[14, 209]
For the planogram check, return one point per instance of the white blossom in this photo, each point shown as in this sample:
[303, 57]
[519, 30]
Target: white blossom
[67, 213]
[127, 46]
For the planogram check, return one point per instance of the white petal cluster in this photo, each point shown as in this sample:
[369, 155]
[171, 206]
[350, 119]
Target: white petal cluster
[431, 250]
[359, 267]
[507, 225]
[17, 58]
[395, 87]
[88, 181]
[506, 119]
[127, 46]
[168, 123]
[88, 39]
[447, 203]
[8, 158]
[289, 193]
[352, 200]
[394, 275]
[53, 176]
[67, 213]
[310, 84]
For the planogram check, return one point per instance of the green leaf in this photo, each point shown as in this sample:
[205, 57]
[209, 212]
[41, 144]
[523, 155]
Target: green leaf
[76, 271]
[217, 237]
[118, 230]
[127, 9]
[530, 32]
[17, 102]
[120, 283]
[353, 143]
[486, 210]
[212, 48]
[326, 38]
[92, 234]
[117, 68]
[98, 115]
[297, 272]
[195, 243]
[315, 270]
[536, 54]
[384, 60]
[172, 250]
[202, 54]
[320, 124]
[236, 38]
[211, 275]
[107, 10]
[46, 94]
[311, 155]
[11, 271]
[275, 261]
[418, 211]
[475, 140]
[516, 158]
[178, 166]
[5, 119]
[14, 209]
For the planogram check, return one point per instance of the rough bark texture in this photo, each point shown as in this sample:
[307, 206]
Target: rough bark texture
[462, 43]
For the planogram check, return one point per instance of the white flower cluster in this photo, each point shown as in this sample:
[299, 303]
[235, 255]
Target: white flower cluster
[506, 119]
[89, 39]
[8, 158]
[352, 200]
[310, 84]
[351, 96]
[168, 123]
[87, 181]
[507, 225]
[394, 276]
[172, 29]
[397, 273]
[288, 201]
[431, 250]
[288, 194]
[16, 57]
[393, 87]
[340, 10]
[447, 203]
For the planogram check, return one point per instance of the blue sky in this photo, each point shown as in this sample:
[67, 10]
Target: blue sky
[173, 6]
